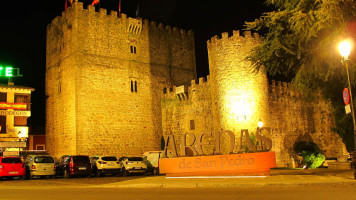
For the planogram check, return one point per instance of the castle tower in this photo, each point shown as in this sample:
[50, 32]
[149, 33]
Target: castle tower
[104, 81]
[239, 94]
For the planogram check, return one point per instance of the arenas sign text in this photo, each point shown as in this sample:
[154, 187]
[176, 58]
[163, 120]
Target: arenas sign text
[238, 164]
[196, 146]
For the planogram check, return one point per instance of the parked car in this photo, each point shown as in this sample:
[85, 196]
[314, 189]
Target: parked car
[11, 166]
[39, 165]
[73, 165]
[329, 160]
[152, 160]
[131, 165]
[102, 165]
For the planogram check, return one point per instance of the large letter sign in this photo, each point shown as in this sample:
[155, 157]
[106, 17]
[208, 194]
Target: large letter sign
[258, 163]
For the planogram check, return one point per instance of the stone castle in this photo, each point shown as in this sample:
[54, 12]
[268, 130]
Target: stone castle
[116, 85]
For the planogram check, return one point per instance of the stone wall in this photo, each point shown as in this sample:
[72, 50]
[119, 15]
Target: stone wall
[111, 89]
[104, 81]
[294, 119]
[291, 117]
[238, 93]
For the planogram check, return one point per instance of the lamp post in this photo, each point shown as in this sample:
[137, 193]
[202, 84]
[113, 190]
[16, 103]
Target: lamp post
[345, 49]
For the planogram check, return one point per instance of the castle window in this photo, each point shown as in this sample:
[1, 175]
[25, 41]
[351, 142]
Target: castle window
[133, 49]
[59, 88]
[133, 86]
[165, 91]
[192, 125]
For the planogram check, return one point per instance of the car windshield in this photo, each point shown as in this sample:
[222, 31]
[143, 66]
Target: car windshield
[44, 159]
[135, 159]
[11, 160]
[109, 158]
[81, 159]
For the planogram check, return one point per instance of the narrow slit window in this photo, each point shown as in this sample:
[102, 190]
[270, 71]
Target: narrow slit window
[135, 86]
[192, 125]
[132, 86]
[133, 49]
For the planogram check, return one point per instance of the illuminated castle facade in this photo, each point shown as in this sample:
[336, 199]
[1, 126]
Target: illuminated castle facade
[234, 97]
[116, 85]
[104, 81]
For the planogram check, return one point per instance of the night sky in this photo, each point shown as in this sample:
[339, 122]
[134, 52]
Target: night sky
[23, 32]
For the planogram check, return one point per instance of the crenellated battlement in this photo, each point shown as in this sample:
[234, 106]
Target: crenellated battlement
[175, 91]
[113, 15]
[236, 39]
[278, 89]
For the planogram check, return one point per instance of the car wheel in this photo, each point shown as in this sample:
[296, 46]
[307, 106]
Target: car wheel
[99, 173]
[66, 174]
[155, 171]
[125, 172]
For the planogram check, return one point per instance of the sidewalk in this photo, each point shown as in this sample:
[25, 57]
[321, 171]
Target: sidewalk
[278, 177]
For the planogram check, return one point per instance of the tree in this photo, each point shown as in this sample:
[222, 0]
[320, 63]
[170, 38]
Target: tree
[300, 43]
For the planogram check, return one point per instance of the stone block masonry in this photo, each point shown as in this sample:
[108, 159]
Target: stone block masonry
[104, 81]
[115, 85]
[234, 98]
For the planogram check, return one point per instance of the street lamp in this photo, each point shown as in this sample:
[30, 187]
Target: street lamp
[260, 123]
[345, 49]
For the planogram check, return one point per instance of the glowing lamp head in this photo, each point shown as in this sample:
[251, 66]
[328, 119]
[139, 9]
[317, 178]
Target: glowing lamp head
[260, 123]
[345, 48]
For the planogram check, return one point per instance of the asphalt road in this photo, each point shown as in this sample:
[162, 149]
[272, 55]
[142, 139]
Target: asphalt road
[101, 188]
[275, 193]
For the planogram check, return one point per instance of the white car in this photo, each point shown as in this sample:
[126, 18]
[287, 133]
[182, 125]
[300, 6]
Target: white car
[39, 165]
[152, 160]
[102, 165]
[133, 165]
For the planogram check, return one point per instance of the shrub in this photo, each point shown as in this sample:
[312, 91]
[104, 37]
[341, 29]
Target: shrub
[312, 160]
[311, 153]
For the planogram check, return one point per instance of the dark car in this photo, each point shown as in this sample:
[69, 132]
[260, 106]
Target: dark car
[73, 165]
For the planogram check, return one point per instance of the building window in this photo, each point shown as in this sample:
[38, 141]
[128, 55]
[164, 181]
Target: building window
[164, 90]
[133, 49]
[133, 86]
[40, 147]
[2, 124]
[22, 98]
[20, 121]
[59, 87]
[192, 125]
[3, 97]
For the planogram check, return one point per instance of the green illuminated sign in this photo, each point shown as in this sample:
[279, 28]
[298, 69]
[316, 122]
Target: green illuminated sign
[9, 71]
